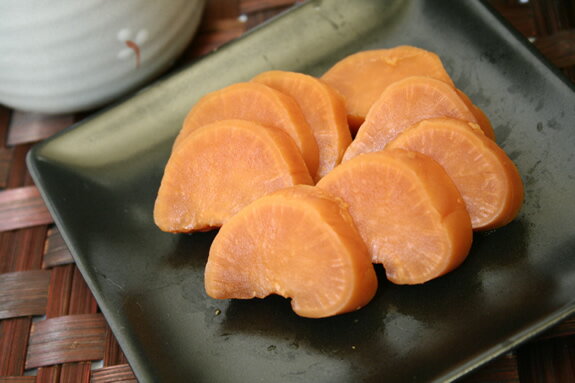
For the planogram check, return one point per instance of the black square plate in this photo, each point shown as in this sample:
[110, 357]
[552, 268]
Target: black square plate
[100, 180]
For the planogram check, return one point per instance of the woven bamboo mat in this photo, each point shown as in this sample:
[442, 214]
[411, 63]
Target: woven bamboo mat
[51, 329]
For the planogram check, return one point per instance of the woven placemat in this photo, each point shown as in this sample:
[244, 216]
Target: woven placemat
[50, 326]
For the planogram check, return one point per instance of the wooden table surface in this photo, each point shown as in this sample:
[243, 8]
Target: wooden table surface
[50, 326]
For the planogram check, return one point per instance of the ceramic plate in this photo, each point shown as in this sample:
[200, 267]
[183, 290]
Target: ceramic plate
[100, 180]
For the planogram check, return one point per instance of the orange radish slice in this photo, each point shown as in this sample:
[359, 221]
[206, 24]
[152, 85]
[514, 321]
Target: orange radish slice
[363, 76]
[487, 179]
[403, 104]
[222, 167]
[259, 103]
[407, 210]
[298, 242]
[323, 108]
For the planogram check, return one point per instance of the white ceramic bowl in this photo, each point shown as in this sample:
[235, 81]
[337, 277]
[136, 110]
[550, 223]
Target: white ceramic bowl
[60, 56]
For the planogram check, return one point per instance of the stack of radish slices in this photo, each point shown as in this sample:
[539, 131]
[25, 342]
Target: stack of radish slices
[304, 211]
